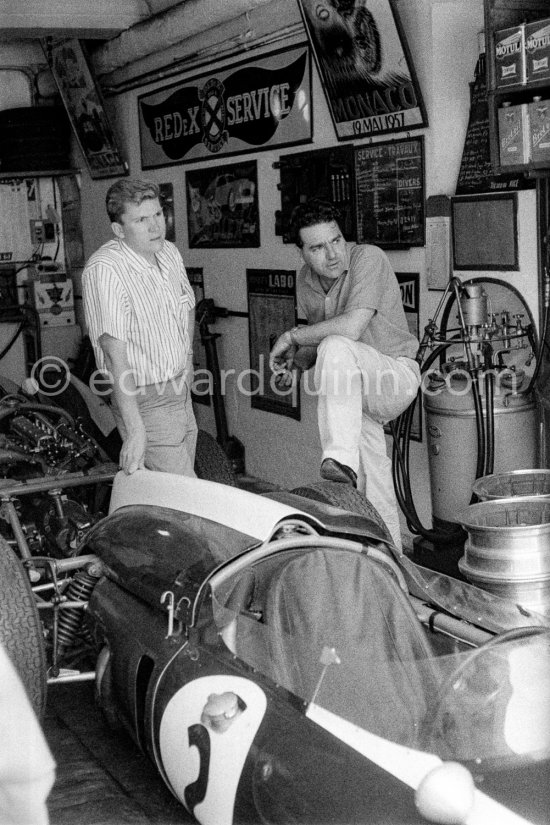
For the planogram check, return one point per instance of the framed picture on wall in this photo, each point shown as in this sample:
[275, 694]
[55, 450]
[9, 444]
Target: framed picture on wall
[222, 206]
[271, 310]
[485, 231]
[82, 99]
[365, 67]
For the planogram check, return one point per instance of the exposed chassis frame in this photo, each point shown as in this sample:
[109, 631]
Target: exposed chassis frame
[51, 572]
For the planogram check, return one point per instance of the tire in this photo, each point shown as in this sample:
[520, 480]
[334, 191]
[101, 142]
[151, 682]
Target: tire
[211, 463]
[20, 627]
[367, 39]
[347, 498]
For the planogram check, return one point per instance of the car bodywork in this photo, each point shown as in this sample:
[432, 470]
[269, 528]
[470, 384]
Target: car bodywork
[228, 190]
[280, 661]
[242, 640]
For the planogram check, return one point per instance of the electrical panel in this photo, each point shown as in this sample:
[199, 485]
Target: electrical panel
[30, 224]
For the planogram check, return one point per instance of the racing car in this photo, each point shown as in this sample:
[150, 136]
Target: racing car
[280, 661]
[56, 469]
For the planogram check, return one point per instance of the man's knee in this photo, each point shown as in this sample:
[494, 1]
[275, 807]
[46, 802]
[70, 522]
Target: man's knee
[337, 348]
[337, 370]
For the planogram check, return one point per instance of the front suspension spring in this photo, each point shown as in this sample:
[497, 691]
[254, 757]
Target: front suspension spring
[71, 619]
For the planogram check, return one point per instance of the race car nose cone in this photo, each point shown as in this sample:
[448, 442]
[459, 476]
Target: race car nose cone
[446, 794]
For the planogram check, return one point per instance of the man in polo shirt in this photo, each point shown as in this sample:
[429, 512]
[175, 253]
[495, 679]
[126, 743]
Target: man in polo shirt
[139, 309]
[358, 339]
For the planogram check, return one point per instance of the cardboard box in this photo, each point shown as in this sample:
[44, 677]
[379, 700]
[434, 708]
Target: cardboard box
[510, 56]
[537, 50]
[539, 130]
[513, 135]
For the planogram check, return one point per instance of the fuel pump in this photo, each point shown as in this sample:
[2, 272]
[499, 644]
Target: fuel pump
[477, 382]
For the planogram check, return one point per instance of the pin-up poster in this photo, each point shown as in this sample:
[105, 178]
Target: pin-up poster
[365, 67]
[82, 99]
[254, 105]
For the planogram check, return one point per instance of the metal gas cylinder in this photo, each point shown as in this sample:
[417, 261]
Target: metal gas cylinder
[452, 440]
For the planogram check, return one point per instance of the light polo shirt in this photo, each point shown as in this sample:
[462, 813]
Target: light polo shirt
[126, 297]
[368, 283]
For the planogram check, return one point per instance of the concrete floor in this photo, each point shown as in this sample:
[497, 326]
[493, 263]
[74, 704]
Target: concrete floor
[102, 777]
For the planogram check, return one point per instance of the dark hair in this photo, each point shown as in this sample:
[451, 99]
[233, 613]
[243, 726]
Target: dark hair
[311, 213]
[128, 190]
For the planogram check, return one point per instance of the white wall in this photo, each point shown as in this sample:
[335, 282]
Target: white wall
[443, 39]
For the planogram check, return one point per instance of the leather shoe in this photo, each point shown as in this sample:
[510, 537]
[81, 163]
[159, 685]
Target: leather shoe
[332, 470]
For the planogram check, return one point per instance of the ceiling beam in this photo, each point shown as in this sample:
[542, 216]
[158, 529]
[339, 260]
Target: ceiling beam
[71, 18]
[181, 22]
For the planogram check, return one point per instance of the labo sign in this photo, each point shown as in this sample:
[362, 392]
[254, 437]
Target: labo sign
[258, 105]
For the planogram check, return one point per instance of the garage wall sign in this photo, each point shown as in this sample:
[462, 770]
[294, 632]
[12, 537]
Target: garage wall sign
[82, 99]
[257, 104]
[365, 67]
[409, 286]
[271, 310]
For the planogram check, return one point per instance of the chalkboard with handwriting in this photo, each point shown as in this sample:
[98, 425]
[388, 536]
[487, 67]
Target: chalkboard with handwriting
[475, 175]
[475, 167]
[389, 182]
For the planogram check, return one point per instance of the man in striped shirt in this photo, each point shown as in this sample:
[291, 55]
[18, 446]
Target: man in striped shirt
[139, 309]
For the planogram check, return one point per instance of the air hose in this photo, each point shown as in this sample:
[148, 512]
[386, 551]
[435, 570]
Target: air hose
[401, 432]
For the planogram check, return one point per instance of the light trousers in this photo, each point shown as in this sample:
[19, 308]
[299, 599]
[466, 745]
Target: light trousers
[359, 390]
[167, 413]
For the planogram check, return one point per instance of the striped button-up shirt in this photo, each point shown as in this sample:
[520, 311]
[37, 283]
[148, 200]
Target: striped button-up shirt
[126, 297]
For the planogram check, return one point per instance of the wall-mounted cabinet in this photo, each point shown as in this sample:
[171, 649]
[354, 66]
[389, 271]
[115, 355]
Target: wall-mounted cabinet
[519, 97]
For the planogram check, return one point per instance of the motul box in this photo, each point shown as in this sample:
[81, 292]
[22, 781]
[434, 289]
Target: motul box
[537, 50]
[539, 128]
[510, 56]
[513, 134]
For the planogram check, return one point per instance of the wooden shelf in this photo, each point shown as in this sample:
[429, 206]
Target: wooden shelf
[503, 14]
[528, 89]
[531, 169]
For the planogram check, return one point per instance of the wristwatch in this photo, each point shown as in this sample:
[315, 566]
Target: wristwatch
[292, 332]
